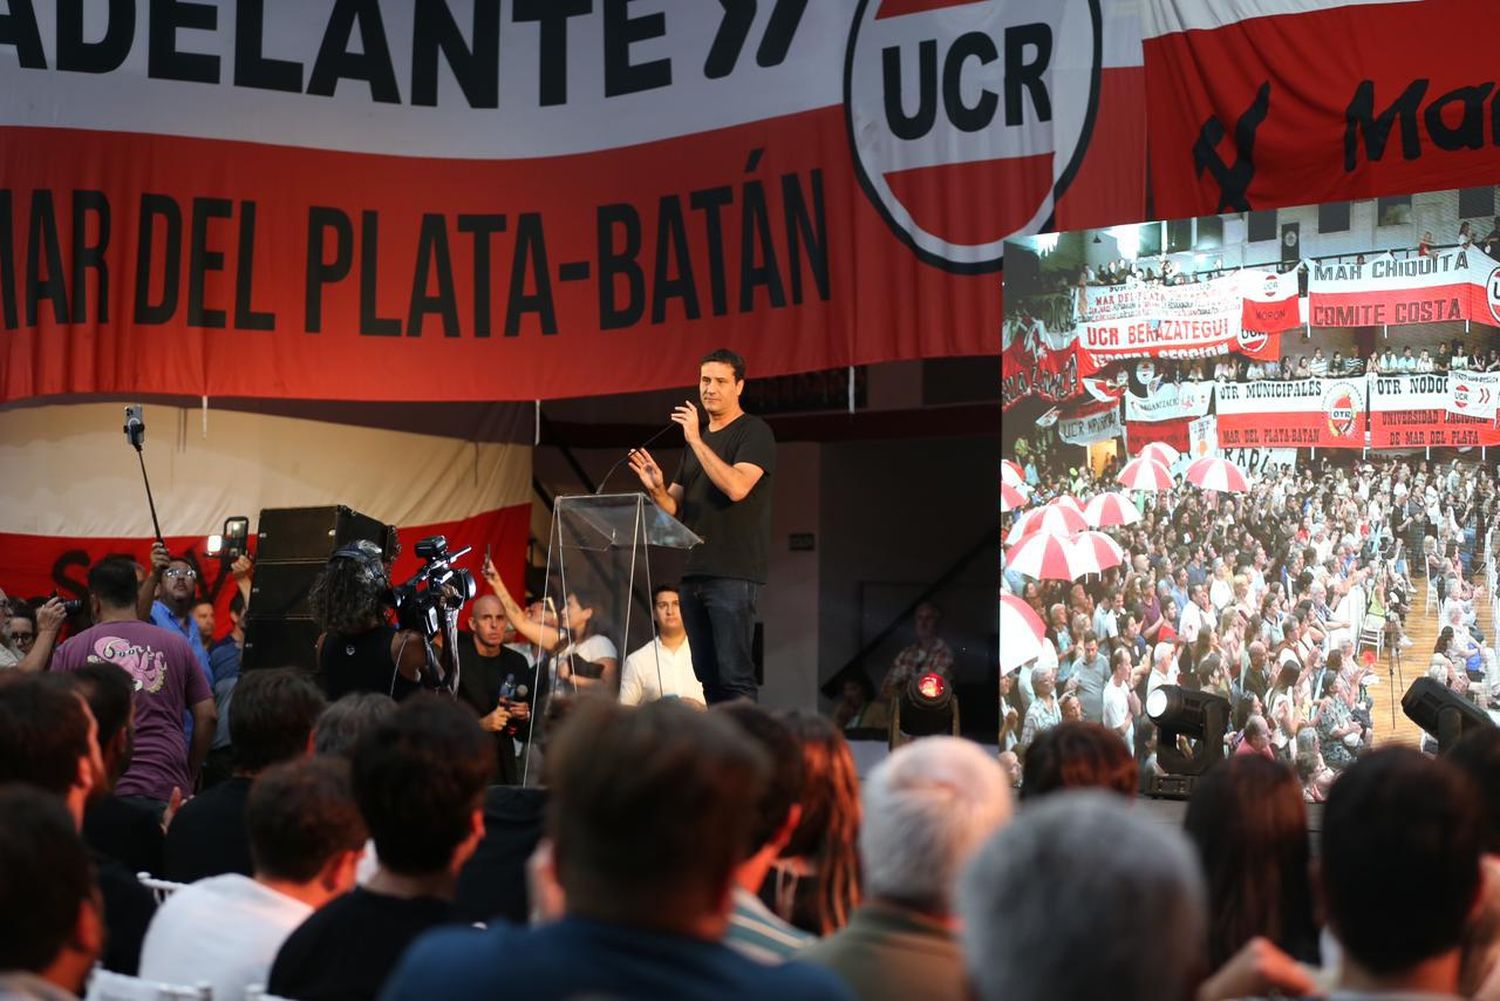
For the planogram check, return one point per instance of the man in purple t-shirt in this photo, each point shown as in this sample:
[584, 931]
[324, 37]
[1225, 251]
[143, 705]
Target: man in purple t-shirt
[168, 682]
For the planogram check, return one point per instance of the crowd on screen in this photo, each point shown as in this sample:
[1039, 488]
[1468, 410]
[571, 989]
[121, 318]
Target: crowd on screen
[1446, 356]
[1275, 598]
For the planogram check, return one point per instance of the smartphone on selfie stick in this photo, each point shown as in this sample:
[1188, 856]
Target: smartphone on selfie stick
[135, 434]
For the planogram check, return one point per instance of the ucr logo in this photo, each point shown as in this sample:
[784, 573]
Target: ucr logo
[969, 118]
[1460, 395]
[1492, 292]
[1272, 287]
[1252, 340]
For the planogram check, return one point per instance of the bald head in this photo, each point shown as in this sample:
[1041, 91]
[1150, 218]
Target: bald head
[487, 623]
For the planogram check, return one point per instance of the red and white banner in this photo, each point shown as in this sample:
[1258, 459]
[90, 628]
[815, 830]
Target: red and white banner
[1091, 423]
[1170, 401]
[1305, 413]
[1271, 301]
[76, 493]
[1474, 394]
[1265, 103]
[1151, 319]
[491, 199]
[1411, 411]
[1037, 363]
[1433, 288]
[1171, 432]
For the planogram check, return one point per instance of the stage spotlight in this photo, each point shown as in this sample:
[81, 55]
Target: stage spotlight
[926, 706]
[1442, 713]
[1197, 716]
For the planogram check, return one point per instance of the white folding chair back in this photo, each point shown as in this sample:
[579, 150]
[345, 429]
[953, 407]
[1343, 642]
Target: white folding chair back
[257, 992]
[160, 888]
[105, 985]
[1432, 598]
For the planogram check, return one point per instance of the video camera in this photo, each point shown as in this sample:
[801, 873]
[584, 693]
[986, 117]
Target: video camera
[435, 593]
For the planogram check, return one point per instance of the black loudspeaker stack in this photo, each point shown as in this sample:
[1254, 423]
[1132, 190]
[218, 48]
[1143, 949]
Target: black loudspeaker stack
[292, 548]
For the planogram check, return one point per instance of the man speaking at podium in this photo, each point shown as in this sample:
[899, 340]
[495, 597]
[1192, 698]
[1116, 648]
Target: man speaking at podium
[722, 492]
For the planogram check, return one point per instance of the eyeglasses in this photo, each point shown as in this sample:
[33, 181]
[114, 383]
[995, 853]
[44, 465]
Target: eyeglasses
[23, 639]
[179, 572]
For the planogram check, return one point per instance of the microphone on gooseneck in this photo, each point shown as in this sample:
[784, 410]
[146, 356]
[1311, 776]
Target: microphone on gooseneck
[600, 489]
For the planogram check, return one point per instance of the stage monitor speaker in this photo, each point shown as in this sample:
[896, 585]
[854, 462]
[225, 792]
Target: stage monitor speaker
[279, 590]
[311, 533]
[283, 642]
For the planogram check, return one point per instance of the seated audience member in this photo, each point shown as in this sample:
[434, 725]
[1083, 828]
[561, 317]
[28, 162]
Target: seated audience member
[1080, 896]
[51, 928]
[419, 779]
[1477, 755]
[47, 741]
[271, 720]
[1255, 739]
[946, 795]
[753, 929]
[663, 667]
[1248, 821]
[648, 824]
[492, 884]
[929, 653]
[491, 676]
[169, 683]
[123, 830]
[306, 837]
[341, 726]
[1075, 755]
[815, 883]
[1400, 873]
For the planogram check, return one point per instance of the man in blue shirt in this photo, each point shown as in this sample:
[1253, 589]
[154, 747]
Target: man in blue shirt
[173, 608]
[648, 821]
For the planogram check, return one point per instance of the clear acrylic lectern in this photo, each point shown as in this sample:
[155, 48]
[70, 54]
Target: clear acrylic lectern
[598, 589]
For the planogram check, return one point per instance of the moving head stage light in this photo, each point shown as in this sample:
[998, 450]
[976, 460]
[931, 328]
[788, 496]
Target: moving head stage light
[1441, 712]
[925, 707]
[1197, 716]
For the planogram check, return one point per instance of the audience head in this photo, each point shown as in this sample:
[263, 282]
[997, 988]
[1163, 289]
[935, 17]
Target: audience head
[271, 716]
[650, 813]
[109, 690]
[51, 916]
[1073, 755]
[779, 810]
[419, 778]
[1249, 823]
[1400, 868]
[47, 739]
[1081, 897]
[829, 827]
[343, 723]
[112, 585]
[927, 808]
[304, 825]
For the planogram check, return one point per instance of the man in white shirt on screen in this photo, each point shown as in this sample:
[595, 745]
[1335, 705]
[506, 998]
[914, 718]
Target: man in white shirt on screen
[669, 652]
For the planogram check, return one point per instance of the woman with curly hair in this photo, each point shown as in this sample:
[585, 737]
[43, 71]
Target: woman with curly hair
[815, 883]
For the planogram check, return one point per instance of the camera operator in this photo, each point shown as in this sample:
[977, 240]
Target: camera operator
[359, 650]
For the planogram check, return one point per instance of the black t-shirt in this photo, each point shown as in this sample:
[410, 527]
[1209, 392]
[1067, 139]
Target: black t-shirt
[125, 831]
[347, 948]
[208, 836]
[736, 535]
[492, 885]
[362, 663]
[482, 681]
[128, 909]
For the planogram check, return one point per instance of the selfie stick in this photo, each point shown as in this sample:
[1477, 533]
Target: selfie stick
[135, 432]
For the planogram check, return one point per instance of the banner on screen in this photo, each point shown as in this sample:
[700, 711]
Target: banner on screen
[1411, 411]
[1270, 302]
[1170, 432]
[498, 200]
[1037, 363]
[1154, 320]
[1254, 461]
[1450, 285]
[1474, 394]
[1304, 413]
[1091, 424]
[1171, 401]
[1203, 437]
[1265, 103]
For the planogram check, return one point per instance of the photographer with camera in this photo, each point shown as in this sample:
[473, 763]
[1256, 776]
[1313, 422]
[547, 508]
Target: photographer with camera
[359, 649]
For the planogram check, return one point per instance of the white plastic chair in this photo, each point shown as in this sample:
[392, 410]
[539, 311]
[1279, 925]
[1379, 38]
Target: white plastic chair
[105, 985]
[161, 889]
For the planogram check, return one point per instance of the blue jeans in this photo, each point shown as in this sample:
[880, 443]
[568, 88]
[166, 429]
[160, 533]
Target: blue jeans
[719, 615]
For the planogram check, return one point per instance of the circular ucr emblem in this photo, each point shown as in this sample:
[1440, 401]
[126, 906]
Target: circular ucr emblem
[1252, 340]
[968, 120]
[1460, 395]
[1492, 293]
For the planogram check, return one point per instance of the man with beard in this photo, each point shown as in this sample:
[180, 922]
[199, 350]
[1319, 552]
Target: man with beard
[496, 681]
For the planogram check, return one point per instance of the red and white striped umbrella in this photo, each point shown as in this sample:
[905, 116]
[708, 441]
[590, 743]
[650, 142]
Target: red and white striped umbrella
[1068, 501]
[1012, 497]
[1217, 474]
[1041, 556]
[1145, 474]
[1022, 633]
[1012, 473]
[1161, 452]
[1111, 509]
[1049, 520]
[1096, 552]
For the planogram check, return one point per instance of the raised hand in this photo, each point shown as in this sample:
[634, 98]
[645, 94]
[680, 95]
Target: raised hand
[687, 416]
[648, 471]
